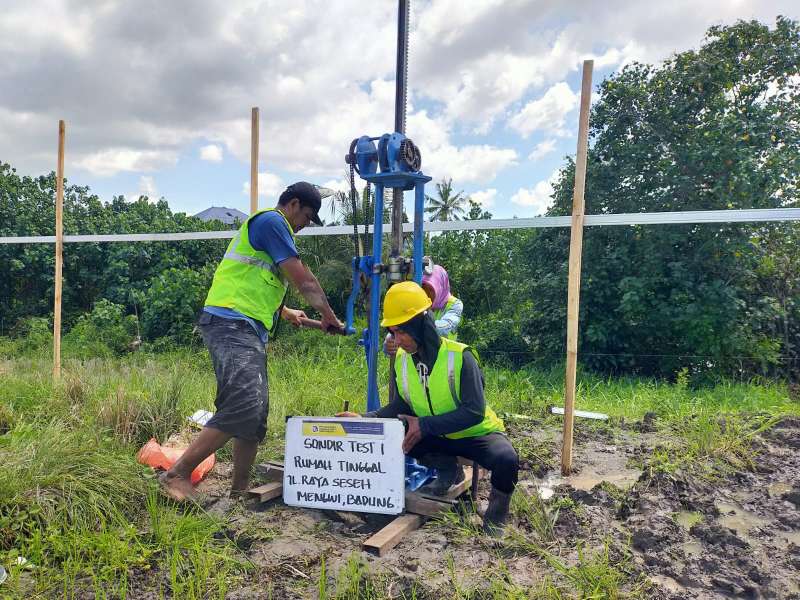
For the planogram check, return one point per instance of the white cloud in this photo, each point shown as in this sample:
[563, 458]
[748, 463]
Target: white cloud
[147, 187]
[538, 198]
[270, 186]
[542, 149]
[340, 185]
[548, 113]
[115, 160]
[481, 60]
[137, 86]
[478, 163]
[211, 153]
[486, 198]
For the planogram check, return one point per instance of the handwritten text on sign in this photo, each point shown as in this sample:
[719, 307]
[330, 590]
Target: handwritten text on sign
[345, 464]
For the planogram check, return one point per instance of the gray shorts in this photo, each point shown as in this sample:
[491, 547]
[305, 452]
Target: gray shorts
[240, 364]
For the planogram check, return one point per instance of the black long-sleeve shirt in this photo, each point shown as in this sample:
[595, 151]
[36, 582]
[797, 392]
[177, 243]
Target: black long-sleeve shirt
[469, 412]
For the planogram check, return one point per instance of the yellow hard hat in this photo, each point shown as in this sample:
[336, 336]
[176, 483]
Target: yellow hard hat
[403, 302]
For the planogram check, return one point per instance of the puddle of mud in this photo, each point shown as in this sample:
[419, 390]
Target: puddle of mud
[785, 538]
[687, 518]
[740, 520]
[776, 490]
[692, 548]
[598, 463]
[668, 583]
[586, 481]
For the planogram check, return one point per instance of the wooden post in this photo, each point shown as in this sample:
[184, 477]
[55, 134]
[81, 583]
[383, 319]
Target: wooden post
[59, 252]
[574, 277]
[254, 160]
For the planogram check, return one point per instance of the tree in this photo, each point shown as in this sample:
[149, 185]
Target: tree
[717, 128]
[448, 206]
[118, 272]
[484, 271]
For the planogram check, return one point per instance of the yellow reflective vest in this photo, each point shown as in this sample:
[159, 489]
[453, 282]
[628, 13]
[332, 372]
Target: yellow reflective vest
[248, 280]
[438, 314]
[442, 391]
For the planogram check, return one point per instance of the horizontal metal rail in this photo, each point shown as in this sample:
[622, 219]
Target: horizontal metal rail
[657, 218]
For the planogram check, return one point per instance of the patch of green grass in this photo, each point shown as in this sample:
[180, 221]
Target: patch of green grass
[85, 513]
[193, 554]
[709, 444]
[53, 474]
[355, 581]
[462, 523]
[595, 574]
[541, 517]
[72, 499]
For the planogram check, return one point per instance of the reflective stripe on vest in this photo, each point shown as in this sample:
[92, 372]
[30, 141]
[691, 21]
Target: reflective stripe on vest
[231, 254]
[451, 378]
[248, 280]
[443, 389]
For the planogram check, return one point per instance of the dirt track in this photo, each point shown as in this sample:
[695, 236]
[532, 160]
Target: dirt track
[669, 536]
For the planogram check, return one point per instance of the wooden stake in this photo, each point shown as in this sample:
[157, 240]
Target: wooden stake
[59, 252]
[254, 161]
[575, 250]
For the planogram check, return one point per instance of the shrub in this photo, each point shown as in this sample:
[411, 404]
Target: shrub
[37, 332]
[106, 331]
[172, 302]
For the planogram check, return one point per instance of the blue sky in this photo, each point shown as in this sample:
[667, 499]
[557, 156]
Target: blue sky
[157, 95]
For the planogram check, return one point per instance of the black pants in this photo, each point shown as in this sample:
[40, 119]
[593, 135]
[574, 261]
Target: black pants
[493, 452]
[240, 364]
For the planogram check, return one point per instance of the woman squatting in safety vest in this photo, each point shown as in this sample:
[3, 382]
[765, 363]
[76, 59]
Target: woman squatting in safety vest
[438, 392]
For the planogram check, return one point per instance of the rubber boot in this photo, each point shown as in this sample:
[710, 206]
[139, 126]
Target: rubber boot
[494, 519]
[449, 473]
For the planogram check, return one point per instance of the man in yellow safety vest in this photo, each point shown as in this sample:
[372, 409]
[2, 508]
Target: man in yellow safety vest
[438, 392]
[241, 310]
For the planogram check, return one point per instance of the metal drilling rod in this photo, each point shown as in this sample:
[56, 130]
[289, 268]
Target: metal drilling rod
[400, 98]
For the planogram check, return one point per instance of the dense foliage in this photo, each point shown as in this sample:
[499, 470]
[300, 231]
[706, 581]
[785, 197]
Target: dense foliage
[716, 128]
[121, 273]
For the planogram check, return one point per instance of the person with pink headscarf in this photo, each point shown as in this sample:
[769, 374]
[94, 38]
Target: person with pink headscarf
[445, 309]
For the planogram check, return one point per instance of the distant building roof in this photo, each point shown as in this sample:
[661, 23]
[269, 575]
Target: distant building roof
[227, 215]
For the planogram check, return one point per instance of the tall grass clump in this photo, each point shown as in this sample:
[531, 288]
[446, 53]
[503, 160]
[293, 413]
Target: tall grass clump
[192, 550]
[56, 477]
[355, 581]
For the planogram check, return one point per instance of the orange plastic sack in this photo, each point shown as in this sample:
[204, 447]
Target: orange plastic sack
[157, 456]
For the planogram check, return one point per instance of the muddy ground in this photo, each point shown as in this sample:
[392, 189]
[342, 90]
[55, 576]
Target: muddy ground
[618, 525]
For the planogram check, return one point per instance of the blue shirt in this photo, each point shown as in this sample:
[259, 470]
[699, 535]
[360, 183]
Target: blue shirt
[269, 233]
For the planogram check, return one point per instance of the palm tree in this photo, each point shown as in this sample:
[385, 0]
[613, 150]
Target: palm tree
[448, 206]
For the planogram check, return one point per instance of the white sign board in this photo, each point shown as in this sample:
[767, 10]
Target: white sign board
[345, 464]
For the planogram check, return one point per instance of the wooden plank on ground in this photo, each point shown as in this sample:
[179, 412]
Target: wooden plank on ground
[456, 490]
[268, 491]
[271, 470]
[428, 507]
[388, 537]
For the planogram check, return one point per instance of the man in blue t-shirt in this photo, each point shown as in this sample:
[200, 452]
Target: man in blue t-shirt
[237, 341]
[267, 232]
